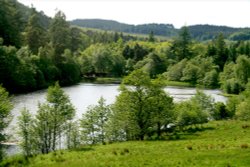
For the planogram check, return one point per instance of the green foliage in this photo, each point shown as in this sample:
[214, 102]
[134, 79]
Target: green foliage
[211, 79]
[239, 36]
[59, 34]
[5, 116]
[94, 122]
[174, 73]
[11, 23]
[182, 45]
[158, 29]
[44, 133]
[243, 111]
[221, 112]
[135, 51]
[73, 135]
[141, 110]
[35, 35]
[219, 52]
[240, 104]
[69, 69]
[151, 37]
[198, 110]
[25, 124]
[191, 73]
[152, 64]
[235, 76]
[242, 69]
[161, 108]
[221, 143]
[102, 60]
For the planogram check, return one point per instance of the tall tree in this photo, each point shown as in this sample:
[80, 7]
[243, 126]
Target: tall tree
[160, 106]
[221, 51]
[5, 116]
[61, 111]
[182, 44]
[59, 34]
[25, 124]
[11, 23]
[94, 122]
[35, 32]
[141, 109]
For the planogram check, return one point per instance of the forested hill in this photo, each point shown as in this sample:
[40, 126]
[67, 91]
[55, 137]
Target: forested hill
[199, 32]
[158, 29]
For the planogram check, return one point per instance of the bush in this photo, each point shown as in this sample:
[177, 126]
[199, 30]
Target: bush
[221, 111]
[243, 111]
[232, 86]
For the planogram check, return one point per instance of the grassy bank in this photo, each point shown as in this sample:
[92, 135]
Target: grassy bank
[176, 83]
[220, 143]
[103, 80]
[110, 80]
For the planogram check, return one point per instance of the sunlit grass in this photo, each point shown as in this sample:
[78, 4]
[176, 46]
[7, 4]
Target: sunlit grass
[176, 83]
[219, 143]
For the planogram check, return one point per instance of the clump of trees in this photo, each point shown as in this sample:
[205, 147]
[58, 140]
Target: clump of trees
[46, 131]
[143, 110]
[39, 51]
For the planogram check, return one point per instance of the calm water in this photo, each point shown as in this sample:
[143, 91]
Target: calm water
[83, 95]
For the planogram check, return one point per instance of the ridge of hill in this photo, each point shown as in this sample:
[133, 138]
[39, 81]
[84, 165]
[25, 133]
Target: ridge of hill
[198, 32]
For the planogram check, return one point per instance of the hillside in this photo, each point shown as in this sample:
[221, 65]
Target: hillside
[159, 29]
[199, 32]
[220, 143]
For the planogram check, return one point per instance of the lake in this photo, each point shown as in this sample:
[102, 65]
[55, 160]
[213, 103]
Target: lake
[85, 94]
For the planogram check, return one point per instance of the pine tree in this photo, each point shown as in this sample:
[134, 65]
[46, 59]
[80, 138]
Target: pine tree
[35, 32]
[59, 31]
[182, 45]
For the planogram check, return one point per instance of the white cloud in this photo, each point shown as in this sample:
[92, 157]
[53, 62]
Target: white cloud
[178, 12]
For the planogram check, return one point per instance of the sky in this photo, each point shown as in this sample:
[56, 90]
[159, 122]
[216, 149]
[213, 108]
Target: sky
[233, 13]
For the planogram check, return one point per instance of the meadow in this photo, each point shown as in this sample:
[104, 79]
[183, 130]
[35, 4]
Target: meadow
[217, 144]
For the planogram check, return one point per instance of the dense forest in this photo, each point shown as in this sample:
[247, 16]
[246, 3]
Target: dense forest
[37, 51]
[198, 32]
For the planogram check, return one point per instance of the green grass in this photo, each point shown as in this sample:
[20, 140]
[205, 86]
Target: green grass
[104, 80]
[107, 80]
[176, 83]
[219, 144]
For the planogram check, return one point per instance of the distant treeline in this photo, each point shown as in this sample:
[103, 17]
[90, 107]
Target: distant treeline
[36, 51]
[198, 32]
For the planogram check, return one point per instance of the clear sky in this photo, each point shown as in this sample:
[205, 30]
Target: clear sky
[234, 13]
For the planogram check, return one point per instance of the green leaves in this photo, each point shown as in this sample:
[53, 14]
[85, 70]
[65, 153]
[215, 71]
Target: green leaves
[5, 115]
[43, 133]
[141, 107]
[94, 123]
[198, 110]
[26, 125]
